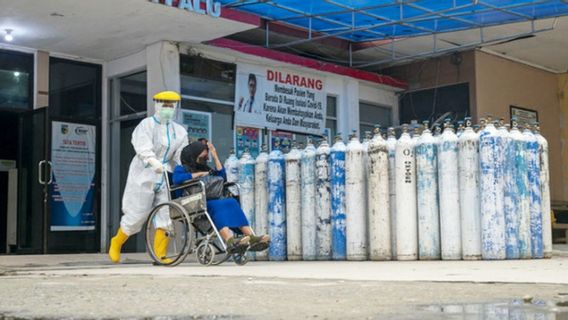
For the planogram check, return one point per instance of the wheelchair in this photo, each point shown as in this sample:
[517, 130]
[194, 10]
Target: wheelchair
[191, 228]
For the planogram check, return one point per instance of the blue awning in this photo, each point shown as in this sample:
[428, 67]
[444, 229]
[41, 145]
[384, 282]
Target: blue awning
[370, 20]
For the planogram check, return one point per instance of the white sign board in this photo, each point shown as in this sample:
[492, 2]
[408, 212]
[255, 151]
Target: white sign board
[279, 99]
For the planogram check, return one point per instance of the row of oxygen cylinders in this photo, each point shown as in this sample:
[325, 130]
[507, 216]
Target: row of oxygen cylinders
[478, 193]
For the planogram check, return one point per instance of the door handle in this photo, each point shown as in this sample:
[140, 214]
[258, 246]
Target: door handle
[39, 172]
[50, 172]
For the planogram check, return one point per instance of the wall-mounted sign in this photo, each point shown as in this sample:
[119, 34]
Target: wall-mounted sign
[73, 156]
[282, 140]
[278, 99]
[209, 7]
[247, 138]
[197, 124]
[525, 117]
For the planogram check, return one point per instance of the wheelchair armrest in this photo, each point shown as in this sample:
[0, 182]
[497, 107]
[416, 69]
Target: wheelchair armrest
[188, 183]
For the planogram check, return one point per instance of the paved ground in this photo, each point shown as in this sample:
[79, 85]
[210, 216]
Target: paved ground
[88, 287]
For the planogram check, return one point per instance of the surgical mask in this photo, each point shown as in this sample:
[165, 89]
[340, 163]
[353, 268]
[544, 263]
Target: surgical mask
[166, 114]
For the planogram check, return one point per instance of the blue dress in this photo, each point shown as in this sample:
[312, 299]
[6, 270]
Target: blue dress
[224, 212]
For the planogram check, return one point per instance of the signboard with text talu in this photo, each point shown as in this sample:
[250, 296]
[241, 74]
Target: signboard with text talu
[279, 99]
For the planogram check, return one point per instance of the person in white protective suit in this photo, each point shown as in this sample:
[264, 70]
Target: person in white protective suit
[158, 142]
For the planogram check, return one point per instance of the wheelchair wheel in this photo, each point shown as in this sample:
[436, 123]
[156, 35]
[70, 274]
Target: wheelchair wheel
[179, 235]
[205, 253]
[240, 259]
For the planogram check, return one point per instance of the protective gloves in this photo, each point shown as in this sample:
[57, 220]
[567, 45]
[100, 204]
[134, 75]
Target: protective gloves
[156, 165]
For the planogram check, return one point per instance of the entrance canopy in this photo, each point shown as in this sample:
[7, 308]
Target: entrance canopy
[370, 20]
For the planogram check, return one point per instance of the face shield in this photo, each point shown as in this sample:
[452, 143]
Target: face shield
[166, 110]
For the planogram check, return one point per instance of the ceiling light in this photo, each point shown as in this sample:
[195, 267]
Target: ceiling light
[9, 37]
[16, 74]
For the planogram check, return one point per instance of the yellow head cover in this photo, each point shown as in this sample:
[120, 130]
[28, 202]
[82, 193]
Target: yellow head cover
[167, 96]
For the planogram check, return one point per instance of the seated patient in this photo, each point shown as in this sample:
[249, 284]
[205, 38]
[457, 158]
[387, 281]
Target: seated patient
[225, 213]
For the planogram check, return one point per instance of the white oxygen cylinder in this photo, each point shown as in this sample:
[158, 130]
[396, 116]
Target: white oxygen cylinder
[355, 202]
[533, 164]
[391, 147]
[491, 194]
[450, 220]
[545, 193]
[293, 203]
[518, 162]
[261, 197]
[246, 181]
[232, 170]
[308, 198]
[406, 211]
[510, 194]
[277, 205]
[427, 196]
[323, 202]
[378, 199]
[468, 166]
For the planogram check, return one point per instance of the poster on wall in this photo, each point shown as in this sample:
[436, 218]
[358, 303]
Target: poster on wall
[525, 117]
[279, 99]
[73, 158]
[281, 138]
[247, 137]
[197, 124]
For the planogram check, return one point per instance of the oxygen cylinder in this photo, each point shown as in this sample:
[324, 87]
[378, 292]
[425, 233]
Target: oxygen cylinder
[533, 165]
[232, 170]
[246, 181]
[323, 207]
[460, 129]
[355, 202]
[391, 147]
[378, 199]
[261, 197]
[427, 196]
[406, 211]
[545, 193]
[468, 166]
[510, 196]
[450, 218]
[491, 194]
[337, 164]
[276, 205]
[437, 133]
[293, 203]
[308, 197]
[521, 189]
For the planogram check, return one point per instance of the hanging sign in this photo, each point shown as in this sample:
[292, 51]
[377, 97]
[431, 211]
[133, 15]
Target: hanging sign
[208, 7]
[278, 99]
[73, 159]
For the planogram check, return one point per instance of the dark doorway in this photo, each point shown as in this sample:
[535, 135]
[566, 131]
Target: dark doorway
[8, 156]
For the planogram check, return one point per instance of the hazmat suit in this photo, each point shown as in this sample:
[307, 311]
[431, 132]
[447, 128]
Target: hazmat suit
[158, 142]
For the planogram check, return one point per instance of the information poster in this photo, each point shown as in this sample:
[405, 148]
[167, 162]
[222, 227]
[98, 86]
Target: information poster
[280, 99]
[525, 117]
[73, 158]
[248, 138]
[283, 139]
[197, 124]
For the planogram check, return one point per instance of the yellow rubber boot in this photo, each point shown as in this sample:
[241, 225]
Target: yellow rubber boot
[116, 245]
[161, 242]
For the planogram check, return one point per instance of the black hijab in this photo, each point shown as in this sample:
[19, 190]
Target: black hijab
[189, 156]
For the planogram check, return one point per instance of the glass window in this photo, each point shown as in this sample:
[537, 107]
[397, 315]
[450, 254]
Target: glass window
[331, 119]
[16, 80]
[221, 120]
[133, 93]
[371, 115]
[206, 78]
[74, 88]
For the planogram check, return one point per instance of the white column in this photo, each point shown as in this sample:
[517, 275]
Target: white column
[163, 73]
[348, 108]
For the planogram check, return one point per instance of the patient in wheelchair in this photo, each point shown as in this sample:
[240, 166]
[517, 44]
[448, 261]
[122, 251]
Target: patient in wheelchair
[226, 213]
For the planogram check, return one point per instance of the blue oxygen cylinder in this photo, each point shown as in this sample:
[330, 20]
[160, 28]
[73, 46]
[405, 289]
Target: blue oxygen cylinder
[378, 198]
[545, 193]
[427, 196]
[308, 187]
[448, 182]
[491, 193]
[323, 202]
[294, 203]
[276, 205]
[510, 196]
[261, 197]
[391, 146]
[406, 211]
[232, 169]
[521, 189]
[246, 181]
[355, 200]
[468, 153]
[337, 164]
[533, 165]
